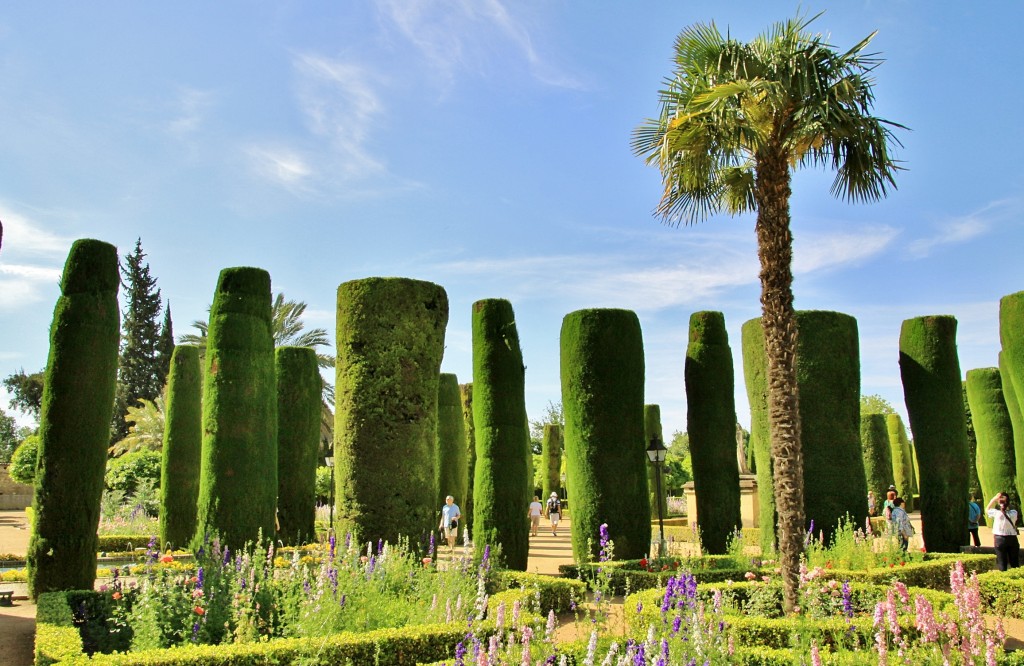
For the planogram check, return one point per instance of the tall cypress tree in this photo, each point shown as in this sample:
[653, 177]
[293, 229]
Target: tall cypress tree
[165, 347]
[298, 440]
[452, 470]
[182, 448]
[551, 455]
[1016, 421]
[139, 374]
[996, 461]
[877, 450]
[653, 430]
[466, 396]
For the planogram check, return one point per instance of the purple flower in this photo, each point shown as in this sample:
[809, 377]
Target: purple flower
[200, 577]
[227, 555]
[333, 541]
[847, 603]
[460, 654]
[380, 544]
[677, 624]
[348, 540]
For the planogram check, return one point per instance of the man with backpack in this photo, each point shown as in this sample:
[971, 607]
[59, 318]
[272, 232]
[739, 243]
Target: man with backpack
[973, 518]
[553, 510]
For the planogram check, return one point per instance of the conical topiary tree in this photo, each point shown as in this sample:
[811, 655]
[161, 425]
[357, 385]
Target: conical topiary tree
[902, 457]
[551, 454]
[828, 379]
[466, 395]
[74, 423]
[602, 369]
[755, 379]
[182, 450]
[238, 482]
[501, 488]
[298, 442]
[711, 425]
[390, 337]
[1017, 423]
[996, 460]
[452, 474]
[930, 371]
[653, 430]
[877, 451]
[1011, 336]
[973, 482]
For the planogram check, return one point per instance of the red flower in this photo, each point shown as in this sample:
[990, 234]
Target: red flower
[167, 559]
[643, 562]
[116, 595]
[199, 610]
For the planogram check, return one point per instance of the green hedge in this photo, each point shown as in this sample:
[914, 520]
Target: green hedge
[653, 430]
[390, 338]
[557, 594]
[994, 430]
[602, 372]
[1016, 422]
[183, 440]
[74, 423]
[466, 397]
[711, 425]
[755, 377]
[1002, 592]
[551, 454]
[238, 481]
[452, 469]
[298, 442]
[501, 485]
[931, 386]
[878, 467]
[902, 458]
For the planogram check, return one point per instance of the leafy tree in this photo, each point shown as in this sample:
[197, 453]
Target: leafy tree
[23, 461]
[139, 368]
[145, 428]
[875, 404]
[126, 472]
[26, 392]
[10, 436]
[678, 463]
[734, 119]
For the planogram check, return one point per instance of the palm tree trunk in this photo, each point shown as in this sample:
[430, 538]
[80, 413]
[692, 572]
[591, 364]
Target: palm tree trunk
[775, 251]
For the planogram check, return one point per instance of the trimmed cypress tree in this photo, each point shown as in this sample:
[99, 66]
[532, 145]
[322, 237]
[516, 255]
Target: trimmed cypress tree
[165, 347]
[997, 467]
[711, 425]
[298, 442]
[877, 451]
[238, 482]
[653, 430]
[390, 337]
[452, 468]
[466, 396]
[973, 482]
[602, 369]
[755, 377]
[183, 440]
[501, 487]
[551, 454]
[74, 424]
[902, 457]
[1017, 424]
[930, 371]
[1011, 336]
[828, 379]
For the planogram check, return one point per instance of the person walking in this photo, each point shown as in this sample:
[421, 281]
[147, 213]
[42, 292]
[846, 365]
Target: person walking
[554, 511]
[872, 506]
[973, 518]
[534, 513]
[901, 523]
[1004, 532]
[449, 526]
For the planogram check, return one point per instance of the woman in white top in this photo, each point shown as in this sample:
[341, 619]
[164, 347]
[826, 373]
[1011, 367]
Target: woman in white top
[1004, 532]
[535, 510]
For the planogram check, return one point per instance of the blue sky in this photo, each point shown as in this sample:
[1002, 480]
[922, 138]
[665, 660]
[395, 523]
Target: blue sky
[484, 145]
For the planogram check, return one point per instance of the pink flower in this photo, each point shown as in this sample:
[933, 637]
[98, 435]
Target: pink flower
[427, 561]
[750, 575]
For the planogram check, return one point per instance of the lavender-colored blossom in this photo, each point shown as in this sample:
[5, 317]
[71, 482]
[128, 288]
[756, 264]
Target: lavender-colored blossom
[227, 556]
[332, 542]
[460, 654]
[677, 624]
[847, 602]
[200, 578]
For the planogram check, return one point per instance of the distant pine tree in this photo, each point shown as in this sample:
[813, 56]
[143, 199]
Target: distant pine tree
[139, 369]
[165, 348]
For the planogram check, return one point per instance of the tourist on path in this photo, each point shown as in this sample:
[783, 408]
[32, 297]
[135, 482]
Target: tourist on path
[535, 510]
[901, 523]
[872, 506]
[449, 526]
[1004, 532]
[554, 511]
[973, 517]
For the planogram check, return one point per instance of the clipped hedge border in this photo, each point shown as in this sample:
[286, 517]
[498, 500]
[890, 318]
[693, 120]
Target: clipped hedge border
[555, 594]
[58, 642]
[1002, 593]
[933, 573]
[622, 578]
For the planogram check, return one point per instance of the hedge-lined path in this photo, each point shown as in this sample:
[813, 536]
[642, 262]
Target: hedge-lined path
[547, 551]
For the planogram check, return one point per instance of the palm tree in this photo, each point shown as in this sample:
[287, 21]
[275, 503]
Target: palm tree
[735, 119]
[145, 430]
[289, 331]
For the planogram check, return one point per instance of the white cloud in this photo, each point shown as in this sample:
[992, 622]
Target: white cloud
[961, 229]
[280, 165]
[24, 237]
[30, 261]
[823, 251]
[191, 107]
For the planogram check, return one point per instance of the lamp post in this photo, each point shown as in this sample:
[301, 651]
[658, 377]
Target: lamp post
[330, 494]
[656, 453]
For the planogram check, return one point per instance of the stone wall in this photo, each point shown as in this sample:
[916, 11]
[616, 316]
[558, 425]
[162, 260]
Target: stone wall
[13, 495]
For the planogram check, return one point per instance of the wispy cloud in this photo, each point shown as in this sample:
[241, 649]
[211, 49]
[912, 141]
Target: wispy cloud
[25, 237]
[466, 33]
[279, 165]
[824, 251]
[30, 262]
[190, 109]
[961, 229]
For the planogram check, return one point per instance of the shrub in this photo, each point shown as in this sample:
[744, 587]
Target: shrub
[653, 430]
[1013, 407]
[74, 427]
[466, 397]
[125, 473]
[298, 442]
[875, 446]
[183, 439]
[501, 487]
[551, 460]
[602, 371]
[452, 471]
[711, 425]
[238, 482]
[930, 372]
[994, 430]
[23, 461]
[390, 338]
[755, 377]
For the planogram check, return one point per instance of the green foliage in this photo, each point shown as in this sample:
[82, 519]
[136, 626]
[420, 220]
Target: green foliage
[755, 375]
[182, 449]
[74, 432]
[390, 339]
[452, 470]
[678, 464]
[238, 482]
[126, 472]
[298, 439]
[874, 441]
[10, 436]
[1002, 592]
[875, 404]
[931, 385]
[553, 415]
[323, 484]
[165, 347]
[145, 423]
[23, 460]
[973, 482]
[551, 460]
[602, 370]
[653, 430]
[902, 456]
[711, 425]
[26, 391]
[557, 594]
[139, 368]
[501, 484]
[466, 399]
[994, 429]
[1016, 422]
